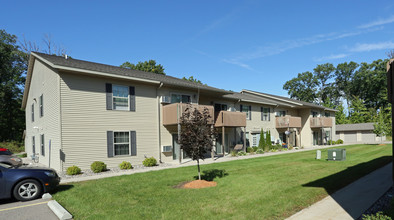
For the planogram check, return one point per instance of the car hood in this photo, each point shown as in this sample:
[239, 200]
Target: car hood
[33, 168]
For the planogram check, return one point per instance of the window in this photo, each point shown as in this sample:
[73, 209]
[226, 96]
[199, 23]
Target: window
[265, 114]
[248, 110]
[121, 143]
[281, 113]
[42, 143]
[327, 114]
[32, 112]
[120, 96]
[178, 98]
[33, 144]
[314, 114]
[41, 106]
[220, 107]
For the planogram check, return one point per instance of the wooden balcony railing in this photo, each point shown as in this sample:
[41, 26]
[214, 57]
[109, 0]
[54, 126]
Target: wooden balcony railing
[321, 122]
[230, 119]
[288, 122]
[173, 112]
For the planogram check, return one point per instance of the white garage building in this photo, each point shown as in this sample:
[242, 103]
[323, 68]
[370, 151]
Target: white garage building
[357, 133]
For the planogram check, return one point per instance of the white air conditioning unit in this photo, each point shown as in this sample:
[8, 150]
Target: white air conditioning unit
[166, 148]
[165, 99]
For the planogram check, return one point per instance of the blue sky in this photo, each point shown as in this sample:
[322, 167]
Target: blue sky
[233, 45]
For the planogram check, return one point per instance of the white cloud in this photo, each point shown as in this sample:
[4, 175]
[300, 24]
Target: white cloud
[378, 22]
[373, 46]
[332, 57]
[243, 65]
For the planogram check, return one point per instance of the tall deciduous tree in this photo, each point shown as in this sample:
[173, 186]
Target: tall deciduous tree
[344, 74]
[323, 73]
[192, 79]
[146, 66]
[303, 87]
[197, 135]
[12, 79]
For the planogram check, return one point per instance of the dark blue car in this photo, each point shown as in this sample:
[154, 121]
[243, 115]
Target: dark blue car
[26, 183]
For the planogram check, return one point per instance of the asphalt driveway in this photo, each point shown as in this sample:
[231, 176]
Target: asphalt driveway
[32, 210]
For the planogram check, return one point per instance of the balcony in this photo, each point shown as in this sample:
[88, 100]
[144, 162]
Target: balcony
[288, 122]
[173, 112]
[321, 122]
[230, 119]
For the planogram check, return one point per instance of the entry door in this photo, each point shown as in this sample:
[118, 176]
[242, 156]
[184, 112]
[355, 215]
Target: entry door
[175, 147]
[219, 144]
[315, 138]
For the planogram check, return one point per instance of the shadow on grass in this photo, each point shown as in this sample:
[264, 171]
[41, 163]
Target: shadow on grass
[62, 188]
[210, 175]
[341, 179]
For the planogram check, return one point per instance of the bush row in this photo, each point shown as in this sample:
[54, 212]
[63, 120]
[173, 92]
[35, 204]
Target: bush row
[99, 166]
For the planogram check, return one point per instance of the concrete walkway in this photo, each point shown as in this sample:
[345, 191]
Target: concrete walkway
[351, 201]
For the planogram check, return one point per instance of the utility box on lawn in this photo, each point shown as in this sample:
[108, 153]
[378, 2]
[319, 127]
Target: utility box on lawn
[337, 154]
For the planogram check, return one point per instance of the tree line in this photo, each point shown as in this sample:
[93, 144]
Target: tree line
[358, 91]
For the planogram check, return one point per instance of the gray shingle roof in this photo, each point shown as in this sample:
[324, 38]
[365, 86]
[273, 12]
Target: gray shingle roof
[302, 103]
[355, 127]
[86, 65]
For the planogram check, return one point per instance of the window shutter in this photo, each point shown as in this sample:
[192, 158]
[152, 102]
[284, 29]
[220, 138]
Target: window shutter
[41, 105]
[262, 113]
[110, 143]
[269, 114]
[250, 112]
[133, 140]
[108, 91]
[132, 98]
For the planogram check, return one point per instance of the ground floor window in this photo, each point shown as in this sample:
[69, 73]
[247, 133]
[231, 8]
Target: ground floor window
[121, 143]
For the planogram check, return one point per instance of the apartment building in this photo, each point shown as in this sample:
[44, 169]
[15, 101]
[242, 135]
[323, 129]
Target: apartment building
[78, 112]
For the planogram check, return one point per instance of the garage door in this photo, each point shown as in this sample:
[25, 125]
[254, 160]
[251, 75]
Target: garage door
[350, 136]
[368, 137]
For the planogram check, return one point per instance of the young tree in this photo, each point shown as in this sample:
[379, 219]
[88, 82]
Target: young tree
[147, 66]
[262, 140]
[340, 116]
[268, 139]
[197, 135]
[380, 127]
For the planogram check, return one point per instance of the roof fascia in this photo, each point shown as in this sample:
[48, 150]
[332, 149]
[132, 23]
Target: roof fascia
[268, 96]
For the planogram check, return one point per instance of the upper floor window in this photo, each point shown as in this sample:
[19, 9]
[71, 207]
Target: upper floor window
[248, 110]
[281, 113]
[32, 112]
[265, 114]
[41, 106]
[220, 107]
[179, 98]
[327, 114]
[315, 114]
[120, 96]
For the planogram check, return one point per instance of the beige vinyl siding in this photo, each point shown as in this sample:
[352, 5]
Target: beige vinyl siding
[86, 121]
[44, 82]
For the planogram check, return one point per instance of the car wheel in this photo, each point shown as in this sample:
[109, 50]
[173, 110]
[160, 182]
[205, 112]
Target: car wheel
[27, 190]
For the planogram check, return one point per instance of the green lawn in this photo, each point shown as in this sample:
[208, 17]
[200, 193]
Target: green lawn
[272, 187]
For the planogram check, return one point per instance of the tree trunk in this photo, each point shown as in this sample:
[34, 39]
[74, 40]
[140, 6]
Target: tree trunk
[198, 165]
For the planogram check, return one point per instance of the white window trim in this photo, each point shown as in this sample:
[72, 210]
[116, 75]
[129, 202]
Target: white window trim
[128, 97]
[248, 112]
[113, 144]
[268, 113]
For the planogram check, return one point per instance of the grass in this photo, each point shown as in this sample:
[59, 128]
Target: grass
[272, 187]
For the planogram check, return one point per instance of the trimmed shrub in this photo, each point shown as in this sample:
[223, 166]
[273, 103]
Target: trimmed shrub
[150, 162]
[98, 166]
[249, 150]
[339, 141]
[241, 153]
[259, 151]
[233, 153]
[125, 165]
[73, 170]
[378, 216]
[255, 149]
